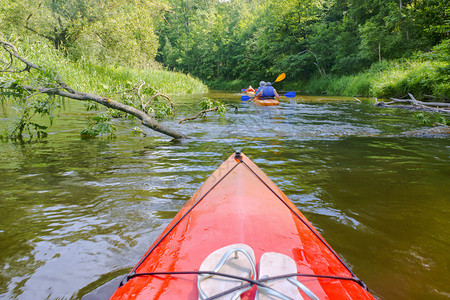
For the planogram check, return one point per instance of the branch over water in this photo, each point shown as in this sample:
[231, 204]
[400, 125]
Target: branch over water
[57, 86]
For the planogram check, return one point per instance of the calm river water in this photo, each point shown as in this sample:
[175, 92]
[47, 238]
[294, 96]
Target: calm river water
[76, 213]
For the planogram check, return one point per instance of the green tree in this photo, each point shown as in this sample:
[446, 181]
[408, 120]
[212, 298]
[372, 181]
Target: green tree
[61, 21]
[122, 31]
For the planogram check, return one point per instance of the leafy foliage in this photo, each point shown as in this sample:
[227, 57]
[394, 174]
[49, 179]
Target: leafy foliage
[387, 79]
[256, 40]
[207, 103]
[429, 118]
[122, 32]
[100, 124]
[423, 117]
[161, 110]
[28, 111]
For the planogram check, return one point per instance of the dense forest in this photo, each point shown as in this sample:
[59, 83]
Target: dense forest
[251, 39]
[309, 39]
[320, 44]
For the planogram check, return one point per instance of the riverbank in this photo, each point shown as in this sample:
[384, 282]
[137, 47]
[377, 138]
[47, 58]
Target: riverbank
[385, 80]
[426, 74]
[106, 79]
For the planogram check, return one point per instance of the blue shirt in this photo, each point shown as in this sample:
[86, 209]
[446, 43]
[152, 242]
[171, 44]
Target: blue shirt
[268, 92]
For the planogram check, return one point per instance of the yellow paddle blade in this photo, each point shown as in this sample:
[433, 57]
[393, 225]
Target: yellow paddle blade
[280, 77]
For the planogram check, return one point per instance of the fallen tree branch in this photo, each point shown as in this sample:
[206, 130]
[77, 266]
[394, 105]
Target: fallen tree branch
[438, 104]
[146, 120]
[412, 107]
[138, 92]
[64, 90]
[442, 97]
[198, 115]
[8, 64]
[203, 113]
[29, 65]
[440, 107]
[157, 95]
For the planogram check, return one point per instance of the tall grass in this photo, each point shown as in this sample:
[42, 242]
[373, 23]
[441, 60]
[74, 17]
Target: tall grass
[87, 76]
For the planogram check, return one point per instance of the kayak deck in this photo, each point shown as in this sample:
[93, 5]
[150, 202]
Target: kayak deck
[266, 102]
[238, 203]
[263, 102]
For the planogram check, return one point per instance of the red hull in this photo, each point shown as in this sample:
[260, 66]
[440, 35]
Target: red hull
[238, 203]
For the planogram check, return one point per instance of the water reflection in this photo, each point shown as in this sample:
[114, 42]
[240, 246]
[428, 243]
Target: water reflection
[76, 213]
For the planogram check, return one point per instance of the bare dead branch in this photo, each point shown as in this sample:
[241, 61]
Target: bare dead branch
[198, 115]
[172, 104]
[29, 65]
[431, 96]
[232, 106]
[440, 107]
[138, 92]
[321, 70]
[203, 113]
[7, 64]
[416, 102]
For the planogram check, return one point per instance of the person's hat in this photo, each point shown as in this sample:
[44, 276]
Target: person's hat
[268, 84]
[262, 83]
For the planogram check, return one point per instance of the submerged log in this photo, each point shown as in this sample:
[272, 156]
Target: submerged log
[439, 131]
[416, 102]
[440, 107]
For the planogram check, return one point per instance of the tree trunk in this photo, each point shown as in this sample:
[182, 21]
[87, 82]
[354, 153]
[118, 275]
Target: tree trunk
[379, 52]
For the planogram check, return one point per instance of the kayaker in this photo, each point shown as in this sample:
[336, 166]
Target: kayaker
[262, 84]
[267, 92]
[250, 89]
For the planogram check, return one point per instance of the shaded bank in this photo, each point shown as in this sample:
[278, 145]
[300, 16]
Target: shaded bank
[420, 77]
[386, 80]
